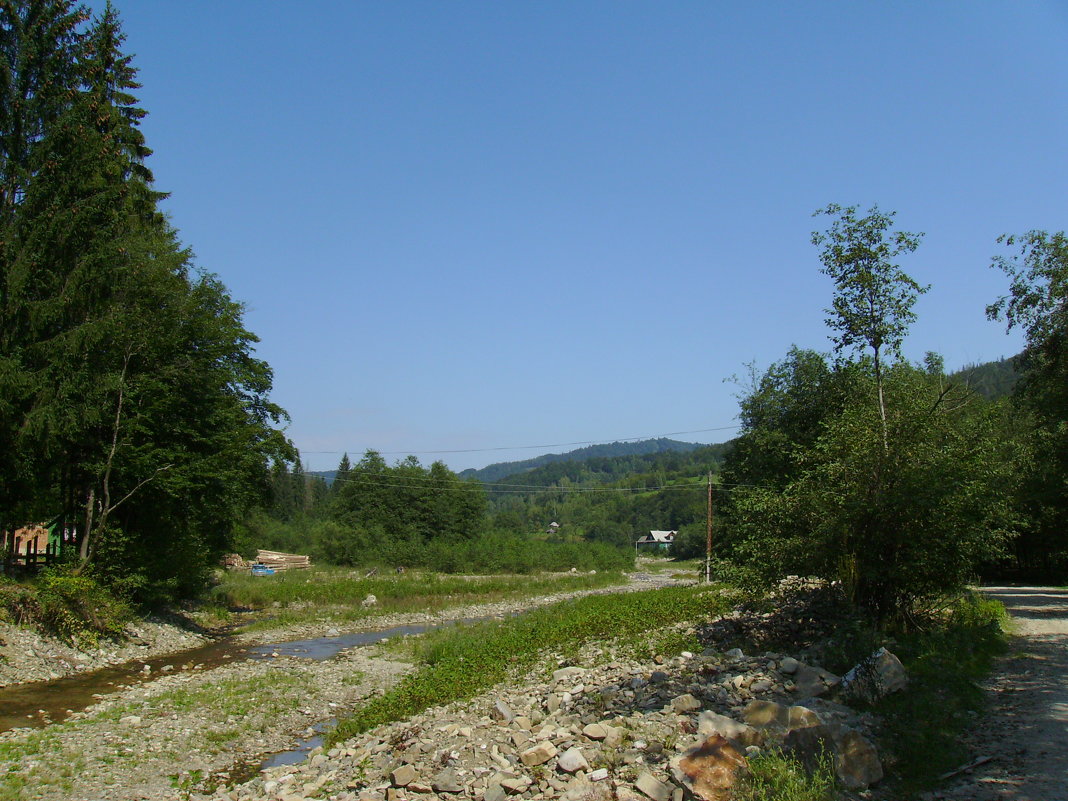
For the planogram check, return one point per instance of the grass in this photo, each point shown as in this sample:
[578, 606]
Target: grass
[945, 663]
[775, 776]
[337, 593]
[458, 662]
[35, 760]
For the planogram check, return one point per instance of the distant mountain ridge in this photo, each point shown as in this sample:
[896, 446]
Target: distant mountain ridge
[499, 470]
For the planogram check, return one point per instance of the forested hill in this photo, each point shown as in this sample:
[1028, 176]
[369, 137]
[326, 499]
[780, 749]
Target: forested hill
[499, 470]
[992, 380]
[633, 469]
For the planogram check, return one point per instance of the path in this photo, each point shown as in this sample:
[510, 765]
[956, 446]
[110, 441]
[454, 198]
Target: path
[1026, 728]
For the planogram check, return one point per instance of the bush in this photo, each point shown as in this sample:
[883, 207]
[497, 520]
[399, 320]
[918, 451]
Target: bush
[77, 609]
[774, 776]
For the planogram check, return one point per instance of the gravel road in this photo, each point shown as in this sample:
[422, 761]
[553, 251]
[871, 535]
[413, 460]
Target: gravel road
[1026, 727]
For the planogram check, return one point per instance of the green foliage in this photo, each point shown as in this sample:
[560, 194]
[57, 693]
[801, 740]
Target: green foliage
[945, 661]
[775, 776]
[77, 609]
[459, 662]
[902, 522]
[130, 403]
[1037, 303]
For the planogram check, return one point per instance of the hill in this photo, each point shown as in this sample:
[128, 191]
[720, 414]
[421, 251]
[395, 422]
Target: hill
[992, 380]
[499, 470]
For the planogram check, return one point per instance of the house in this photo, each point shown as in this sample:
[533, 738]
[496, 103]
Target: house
[657, 540]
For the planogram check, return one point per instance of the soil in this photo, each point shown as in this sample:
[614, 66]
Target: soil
[1025, 731]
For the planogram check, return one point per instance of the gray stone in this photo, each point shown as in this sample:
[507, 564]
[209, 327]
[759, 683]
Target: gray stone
[495, 792]
[594, 731]
[685, 703]
[877, 676]
[659, 677]
[563, 674]
[572, 761]
[501, 711]
[801, 717]
[653, 787]
[403, 776]
[447, 782]
[788, 665]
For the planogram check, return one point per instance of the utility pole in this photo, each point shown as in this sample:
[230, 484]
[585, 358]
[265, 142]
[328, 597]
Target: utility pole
[708, 540]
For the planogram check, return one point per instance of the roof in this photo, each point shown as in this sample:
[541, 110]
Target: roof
[659, 536]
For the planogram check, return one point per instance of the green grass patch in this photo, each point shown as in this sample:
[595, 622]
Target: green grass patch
[456, 663]
[945, 662]
[336, 593]
[775, 776]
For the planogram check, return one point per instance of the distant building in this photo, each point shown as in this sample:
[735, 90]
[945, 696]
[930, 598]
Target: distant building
[658, 540]
[553, 528]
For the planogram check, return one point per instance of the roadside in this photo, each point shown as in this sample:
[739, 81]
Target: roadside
[1025, 731]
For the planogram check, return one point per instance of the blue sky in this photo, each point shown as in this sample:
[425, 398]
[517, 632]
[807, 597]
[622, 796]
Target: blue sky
[473, 225]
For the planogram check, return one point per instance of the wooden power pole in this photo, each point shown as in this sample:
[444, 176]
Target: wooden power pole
[708, 539]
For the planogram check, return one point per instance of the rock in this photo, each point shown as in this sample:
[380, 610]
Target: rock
[879, 675]
[739, 734]
[788, 665]
[735, 654]
[800, 717]
[538, 755]
[495, 792]
[572, 761]
[813, 682]
[563, 674]
[856, 761]
[369, 601]
[403, 776]
[710, 769]
[599, 775]
[659, 677]
[501, 711]
[130, 720]
[594, 731]
[516, 785]
[766, 715]
[447, 782]
[653, 787]
[760, 686]
[614, 736]
[583, 790]
[685, 703]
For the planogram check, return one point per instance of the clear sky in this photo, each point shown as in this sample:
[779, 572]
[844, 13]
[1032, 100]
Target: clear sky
[474, 225]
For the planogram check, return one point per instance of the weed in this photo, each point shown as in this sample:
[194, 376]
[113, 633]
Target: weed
[775, 776]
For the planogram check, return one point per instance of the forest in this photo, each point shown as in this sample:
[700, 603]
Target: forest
[136, 418]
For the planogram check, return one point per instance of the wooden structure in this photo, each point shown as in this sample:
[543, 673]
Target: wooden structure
[25, 549]
[659, 540]
[283, 561]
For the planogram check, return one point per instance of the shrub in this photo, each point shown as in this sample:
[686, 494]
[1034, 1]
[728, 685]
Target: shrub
[774, 776]
[77, 609]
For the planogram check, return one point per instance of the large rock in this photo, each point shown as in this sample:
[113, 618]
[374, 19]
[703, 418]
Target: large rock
[447, 782]
[856, 762]
[653, 787]
[812, 682]
[538, 755]
[710, 769]
[572, 761]
[880, 674]
[766, 715]
[685, 703]
[740, 735]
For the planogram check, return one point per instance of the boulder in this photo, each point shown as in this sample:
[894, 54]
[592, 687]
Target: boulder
[447, 782]
[403, 776]
[572, 761]
[685, 703]
[710, 769]
[812, 682]
[538, 755]
[738, 734]
[501, 711]
[766, 715]
[856, 762]
[879, 675]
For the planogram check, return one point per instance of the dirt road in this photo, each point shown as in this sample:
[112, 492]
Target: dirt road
[1026, 727]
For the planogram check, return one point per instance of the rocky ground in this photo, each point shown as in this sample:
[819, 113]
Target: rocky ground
[26, 655]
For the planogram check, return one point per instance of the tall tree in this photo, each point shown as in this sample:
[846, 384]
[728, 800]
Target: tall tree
[873, 297]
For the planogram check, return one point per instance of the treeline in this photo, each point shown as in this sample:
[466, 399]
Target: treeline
[900, 482]
[132, 411]
[404, 515]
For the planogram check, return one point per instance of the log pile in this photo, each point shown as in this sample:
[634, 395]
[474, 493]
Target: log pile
[283, 561]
